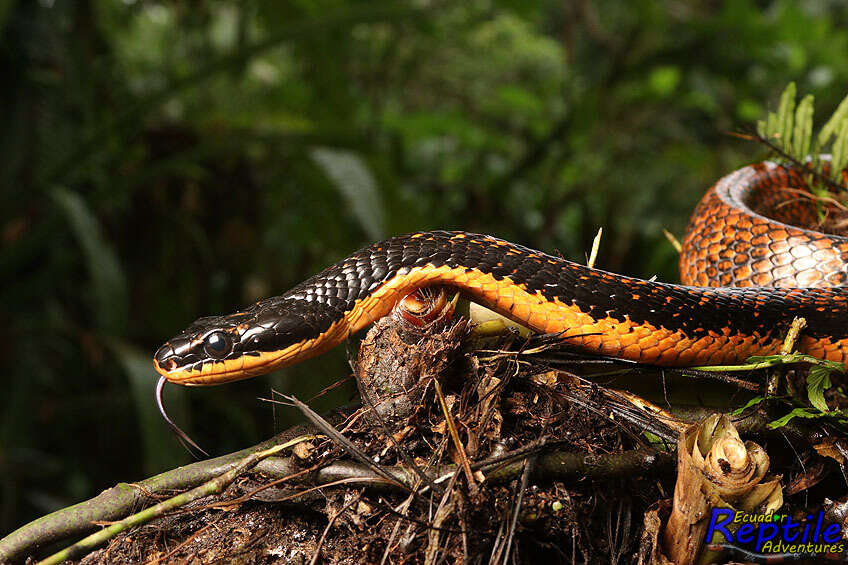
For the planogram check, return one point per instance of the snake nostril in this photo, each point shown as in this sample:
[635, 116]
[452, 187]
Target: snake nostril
[164, 358]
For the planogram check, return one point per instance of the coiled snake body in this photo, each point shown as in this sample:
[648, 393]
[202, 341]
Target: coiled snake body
[754, 275]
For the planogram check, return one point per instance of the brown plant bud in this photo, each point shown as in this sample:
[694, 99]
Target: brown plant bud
[715, 469]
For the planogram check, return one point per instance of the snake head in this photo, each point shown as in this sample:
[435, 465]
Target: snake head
[221, 349]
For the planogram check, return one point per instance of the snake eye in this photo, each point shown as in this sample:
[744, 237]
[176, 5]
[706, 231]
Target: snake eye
[216, 345]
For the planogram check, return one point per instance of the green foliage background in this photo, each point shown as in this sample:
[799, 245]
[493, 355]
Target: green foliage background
[163, 160]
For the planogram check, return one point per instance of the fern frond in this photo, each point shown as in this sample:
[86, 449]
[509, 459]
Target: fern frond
[788, 134]
[834, 124]
[803, 135]
[772, 125]
[839, 158]
[785, 115]
[762, 128]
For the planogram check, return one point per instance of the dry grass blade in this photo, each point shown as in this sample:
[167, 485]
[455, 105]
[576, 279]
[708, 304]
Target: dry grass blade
[673, 240]
[596, 244]
[404, 506]
[443, 512]
[807, 195]
[460, 449]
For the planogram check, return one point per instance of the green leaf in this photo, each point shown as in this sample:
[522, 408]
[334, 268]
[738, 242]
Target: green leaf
[109, 286]
[834, 124]
[815, 164]
[803, 135]
[772, 125]
[796, 413]
[654, 439]
[519, 100]
[351, 176]
[762, 128]
[752, 402]
[664, 80]
[818, 381]
[785, 114]
[840, 153]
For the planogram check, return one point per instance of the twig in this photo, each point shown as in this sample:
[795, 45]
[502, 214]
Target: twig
[522, 488]
[249, 495]
[763, 363]
[802, 167]
[788, 346]
[773, 380]
[184, 543]
[807, 196]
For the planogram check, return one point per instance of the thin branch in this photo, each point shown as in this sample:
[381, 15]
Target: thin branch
[216, 485]
[755, 136]
[119, 501]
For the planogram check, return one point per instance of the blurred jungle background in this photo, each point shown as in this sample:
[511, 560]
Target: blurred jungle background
[164, 160]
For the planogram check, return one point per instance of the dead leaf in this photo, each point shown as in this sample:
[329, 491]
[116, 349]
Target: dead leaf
[303, 450]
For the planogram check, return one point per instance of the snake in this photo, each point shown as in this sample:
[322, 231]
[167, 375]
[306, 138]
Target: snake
[747, 271]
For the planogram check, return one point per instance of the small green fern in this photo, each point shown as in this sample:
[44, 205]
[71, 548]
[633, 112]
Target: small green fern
[789, 133]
